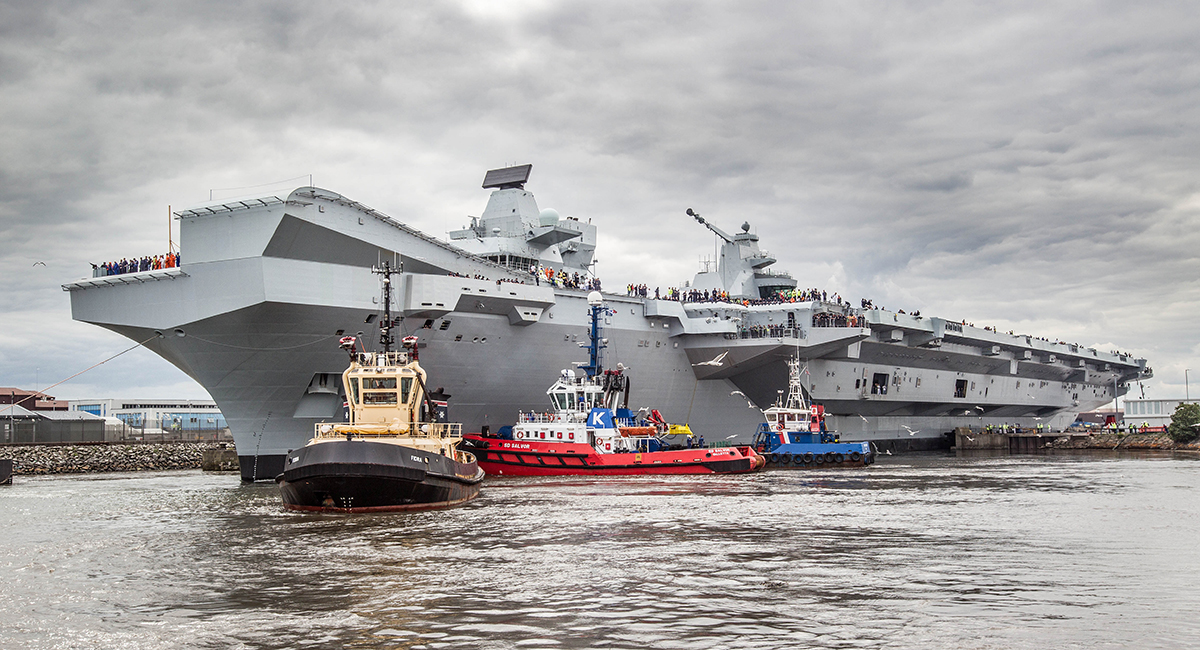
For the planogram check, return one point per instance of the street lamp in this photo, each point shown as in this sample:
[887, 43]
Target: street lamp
[1187, 395]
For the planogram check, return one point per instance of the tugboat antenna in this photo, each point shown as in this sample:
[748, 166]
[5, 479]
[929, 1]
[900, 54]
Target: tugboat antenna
[596, 308]
[385, 324]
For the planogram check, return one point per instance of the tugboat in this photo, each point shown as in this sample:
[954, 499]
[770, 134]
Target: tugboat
[794, 435]
[397, 452]
[592, 431]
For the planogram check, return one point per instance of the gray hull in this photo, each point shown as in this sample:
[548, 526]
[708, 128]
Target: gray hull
[269, 286]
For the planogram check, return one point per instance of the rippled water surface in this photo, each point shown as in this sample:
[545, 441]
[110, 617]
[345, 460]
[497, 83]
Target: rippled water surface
[1063, 551]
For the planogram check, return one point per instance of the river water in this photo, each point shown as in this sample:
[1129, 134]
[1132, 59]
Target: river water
[1073, 550]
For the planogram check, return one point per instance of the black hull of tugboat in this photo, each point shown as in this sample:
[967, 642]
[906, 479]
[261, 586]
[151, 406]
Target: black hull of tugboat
[365, 476]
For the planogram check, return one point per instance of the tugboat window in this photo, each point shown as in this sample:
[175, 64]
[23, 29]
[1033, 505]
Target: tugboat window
[379, 397]
[405, 388]
[354, 389]
[370, 383]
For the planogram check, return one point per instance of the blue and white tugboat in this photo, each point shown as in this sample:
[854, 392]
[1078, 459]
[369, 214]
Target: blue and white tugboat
[794, 435]
[397, 452]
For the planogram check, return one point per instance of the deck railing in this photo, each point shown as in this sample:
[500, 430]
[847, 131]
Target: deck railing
[422, 430]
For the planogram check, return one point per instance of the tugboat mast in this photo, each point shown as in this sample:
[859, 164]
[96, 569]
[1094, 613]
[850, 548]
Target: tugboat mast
[385, 326]
[595, 343]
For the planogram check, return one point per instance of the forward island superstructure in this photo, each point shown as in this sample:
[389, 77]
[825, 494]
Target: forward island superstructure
[269, 282]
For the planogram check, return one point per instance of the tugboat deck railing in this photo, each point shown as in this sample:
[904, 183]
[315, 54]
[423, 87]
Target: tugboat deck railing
[424, 430]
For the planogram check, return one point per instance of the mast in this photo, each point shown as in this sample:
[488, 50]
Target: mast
[595, 343]
[385, 325]
[795, 398]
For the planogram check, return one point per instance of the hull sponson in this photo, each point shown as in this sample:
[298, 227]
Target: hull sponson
[255, 313]
[366, 476]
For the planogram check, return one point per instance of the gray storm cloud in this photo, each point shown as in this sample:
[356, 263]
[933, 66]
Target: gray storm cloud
[1025, 165]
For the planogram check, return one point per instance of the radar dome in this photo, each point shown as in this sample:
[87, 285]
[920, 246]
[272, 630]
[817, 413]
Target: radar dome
[594, 298]
[548, 217]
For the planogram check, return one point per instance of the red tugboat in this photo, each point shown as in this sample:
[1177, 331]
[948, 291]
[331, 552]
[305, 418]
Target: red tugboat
[591, 431]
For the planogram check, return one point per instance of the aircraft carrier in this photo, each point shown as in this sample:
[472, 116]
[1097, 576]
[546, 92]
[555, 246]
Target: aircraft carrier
[269, 284]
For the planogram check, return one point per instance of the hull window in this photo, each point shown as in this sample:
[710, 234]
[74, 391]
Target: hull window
[879, 384]
[960, 388]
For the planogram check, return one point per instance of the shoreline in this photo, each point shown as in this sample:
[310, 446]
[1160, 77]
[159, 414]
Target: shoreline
[41, 460]
[50, 459]
[1119, 441]
[1027, 442]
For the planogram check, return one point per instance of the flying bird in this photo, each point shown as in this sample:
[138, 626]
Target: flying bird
[719, 360]
[749, 404]
[910, 431]
[864, 419]
[42, 263]
[731, 437]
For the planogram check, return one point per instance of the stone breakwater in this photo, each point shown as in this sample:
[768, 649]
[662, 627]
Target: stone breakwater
[1123, 441]
[78, 459]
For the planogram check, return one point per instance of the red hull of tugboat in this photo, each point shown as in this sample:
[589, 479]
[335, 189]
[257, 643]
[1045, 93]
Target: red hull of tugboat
[500, 457]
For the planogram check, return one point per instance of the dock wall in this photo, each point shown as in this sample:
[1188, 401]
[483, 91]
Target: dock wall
[101, 457]
[1030, 443]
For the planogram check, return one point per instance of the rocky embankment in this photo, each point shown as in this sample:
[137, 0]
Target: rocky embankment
[1123, 441]
[77, 459]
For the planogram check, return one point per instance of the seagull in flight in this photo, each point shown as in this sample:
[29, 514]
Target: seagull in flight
[42, 263]
[864, 419]
[719, 360]
[731, 437]
[749, 404]
[910, 431]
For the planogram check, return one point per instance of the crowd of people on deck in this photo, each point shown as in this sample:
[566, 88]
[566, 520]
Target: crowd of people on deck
[545, 275]
[761, 331]
[564, 280]
[835, 319]
[996, 330]
[717, 295]
[147, 263]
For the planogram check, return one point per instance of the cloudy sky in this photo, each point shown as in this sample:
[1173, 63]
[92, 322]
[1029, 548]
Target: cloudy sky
[1029, 165]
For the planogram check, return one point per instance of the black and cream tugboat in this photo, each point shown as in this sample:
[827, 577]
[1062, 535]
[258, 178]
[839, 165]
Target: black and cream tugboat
[397, 452]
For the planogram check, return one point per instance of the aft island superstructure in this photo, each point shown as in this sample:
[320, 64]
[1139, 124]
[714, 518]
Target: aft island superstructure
[269, 282]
